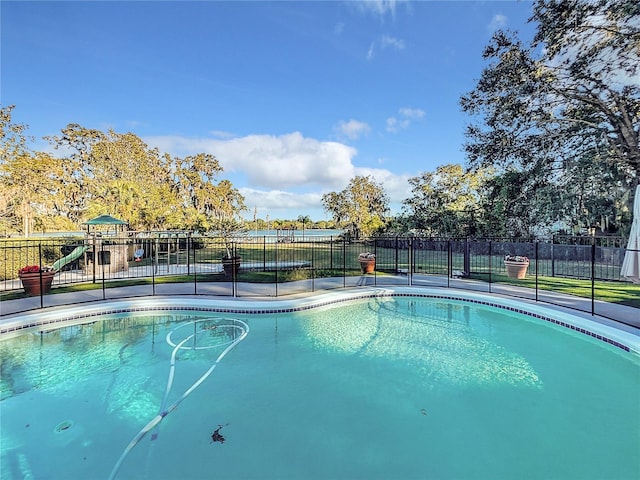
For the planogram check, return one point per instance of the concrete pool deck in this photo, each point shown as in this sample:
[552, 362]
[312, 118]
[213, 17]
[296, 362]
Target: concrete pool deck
[609, 316]
[580, 306]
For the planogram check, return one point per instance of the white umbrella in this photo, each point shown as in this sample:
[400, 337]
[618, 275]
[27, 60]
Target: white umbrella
[631, 263]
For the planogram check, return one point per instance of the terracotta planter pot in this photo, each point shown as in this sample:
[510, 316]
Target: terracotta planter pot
[31, 282]
[367, 265]
[231, 266]
[516, 269]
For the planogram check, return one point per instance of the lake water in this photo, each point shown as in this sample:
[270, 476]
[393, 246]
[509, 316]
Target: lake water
[300, 234]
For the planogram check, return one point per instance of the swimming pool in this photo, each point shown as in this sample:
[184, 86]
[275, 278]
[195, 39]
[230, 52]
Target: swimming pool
[381, 387]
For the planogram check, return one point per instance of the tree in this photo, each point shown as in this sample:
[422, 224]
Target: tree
[304, 219]
[116, 174]
[567, 99]
[29, 181]
[360, 208]
[77, 167]
[120, 175]
[13, 145]
[445, 202]
[133, 182]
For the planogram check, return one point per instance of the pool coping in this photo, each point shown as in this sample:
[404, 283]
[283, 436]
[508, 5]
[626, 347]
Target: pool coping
[627, 339]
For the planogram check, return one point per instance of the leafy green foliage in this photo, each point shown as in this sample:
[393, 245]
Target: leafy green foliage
[108, 173]
[29, 181]
[361, 208]
[446, 202]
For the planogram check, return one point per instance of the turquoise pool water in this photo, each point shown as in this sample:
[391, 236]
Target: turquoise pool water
[382, 388]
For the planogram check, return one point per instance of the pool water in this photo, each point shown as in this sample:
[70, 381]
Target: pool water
[383, 388]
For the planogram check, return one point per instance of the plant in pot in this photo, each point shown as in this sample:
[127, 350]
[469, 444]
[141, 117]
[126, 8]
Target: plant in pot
[516, 266]
[36, 280]
[367, 262]
[230, 230]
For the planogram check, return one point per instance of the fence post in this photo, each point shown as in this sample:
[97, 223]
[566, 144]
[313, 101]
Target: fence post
[234, 276]
[536, 270]
[448, 263]
[593, 275]
[490, 263]
[154, 266]
[410, 260]
[467, 257]
[396, 269]
[344, 262]
[104, 292]
[313, 267]
[276, 267]
[331, 252]
[375, 254]
[95, 258]
[195, 270]
[553, 255]
[188, 240]
[40, 264]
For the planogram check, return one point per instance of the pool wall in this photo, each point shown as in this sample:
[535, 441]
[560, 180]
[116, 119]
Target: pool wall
[56, 317]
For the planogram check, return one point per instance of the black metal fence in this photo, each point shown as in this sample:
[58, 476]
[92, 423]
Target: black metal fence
[188, 264]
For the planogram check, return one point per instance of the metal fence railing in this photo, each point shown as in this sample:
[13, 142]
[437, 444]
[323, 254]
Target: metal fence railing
[189, 264]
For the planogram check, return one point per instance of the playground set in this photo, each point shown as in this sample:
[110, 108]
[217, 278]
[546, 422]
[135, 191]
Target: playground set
[102, 252]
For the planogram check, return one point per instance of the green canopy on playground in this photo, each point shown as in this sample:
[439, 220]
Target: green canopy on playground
[105, 220]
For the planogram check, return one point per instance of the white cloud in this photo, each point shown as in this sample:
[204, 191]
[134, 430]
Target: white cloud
[281, 204]
[386, 42]
[412, 113]
[277, 203]
[221, 134]
[497, 22]
[353, 129]
[370, 52]
[395, 186]
[275, 162]
[378, 8]
[135, 124]
[391, 42]
[394, 125]
[406, 116]
[306, 167]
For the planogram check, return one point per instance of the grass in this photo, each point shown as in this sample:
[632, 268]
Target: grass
[614, 292]
[338, 259]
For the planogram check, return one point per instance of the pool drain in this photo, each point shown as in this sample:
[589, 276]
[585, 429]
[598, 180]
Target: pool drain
[63, 426]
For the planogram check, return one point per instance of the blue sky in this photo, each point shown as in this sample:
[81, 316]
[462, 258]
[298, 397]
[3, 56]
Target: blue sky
[293, 98]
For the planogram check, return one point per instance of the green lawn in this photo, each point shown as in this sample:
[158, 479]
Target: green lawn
[615, 292]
